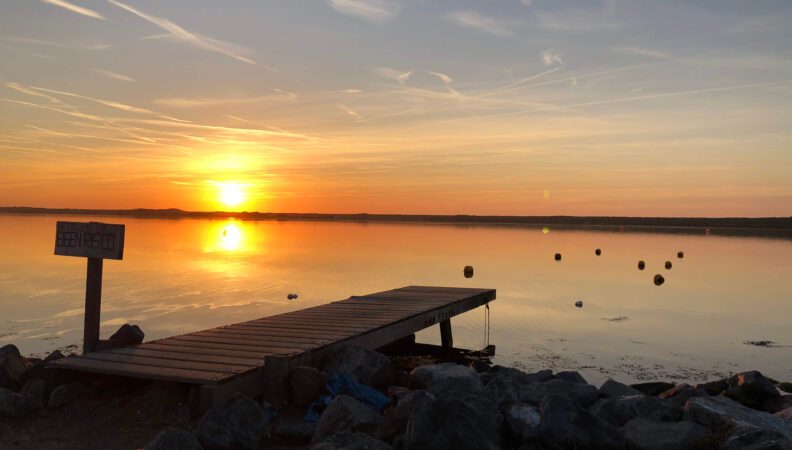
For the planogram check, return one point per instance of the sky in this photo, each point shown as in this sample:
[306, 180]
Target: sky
[515, 107]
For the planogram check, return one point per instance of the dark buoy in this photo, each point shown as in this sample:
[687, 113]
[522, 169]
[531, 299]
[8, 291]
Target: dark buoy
[468, 271]
[680, 255]
[579, 303]
[292, 296]
[558, 256]
[668, 265]
[597, 252]
[659, 280]
[641, 265]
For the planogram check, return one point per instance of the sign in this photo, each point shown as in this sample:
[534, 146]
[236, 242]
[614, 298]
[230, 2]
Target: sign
[89, 240]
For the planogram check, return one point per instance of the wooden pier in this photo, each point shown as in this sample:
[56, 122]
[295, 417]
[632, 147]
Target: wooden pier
[255, 357]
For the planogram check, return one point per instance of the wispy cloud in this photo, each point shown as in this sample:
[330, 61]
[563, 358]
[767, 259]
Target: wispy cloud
[371, 10]
[75, 9]
[114, 75]
[109, 103]
[551, 57]
[480, 22]
[442, 77]
[393, 74]
[24, 90]
[642, 51]
[195, 39]
[350, 112]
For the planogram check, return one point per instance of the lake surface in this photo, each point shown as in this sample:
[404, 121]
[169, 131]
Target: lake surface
[180, 276]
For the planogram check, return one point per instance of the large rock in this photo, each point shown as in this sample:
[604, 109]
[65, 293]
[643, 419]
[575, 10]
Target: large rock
[507, 390]
[522, 421]
[36, 393]
[500, 372]
[612, 388]
[293, 432]
[239, 424]
[173, 439]
[306, 384]
[747, 426]
[678, 396]
[747, 437]
[566, 425]
[346, 413]
[617, 411]
[653, 435]
[65, 394]
[346, 440]
[652, 387]
[395, 421]
[571, 375]
[12, 367]
[751, 389]
[785, 414]
[9, 402]
[128, 335]
[459, 421]
[367, 366]
[427, 375]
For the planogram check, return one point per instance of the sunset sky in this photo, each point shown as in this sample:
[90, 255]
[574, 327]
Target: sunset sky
[614, 107]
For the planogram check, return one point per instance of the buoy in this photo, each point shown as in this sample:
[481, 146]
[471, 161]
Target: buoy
[597, 252]
[641, 265]
[659, 280]
[468, 271]
[292, 296]
[579, 303]
[558, 256]
[680, 255]
[668, 265]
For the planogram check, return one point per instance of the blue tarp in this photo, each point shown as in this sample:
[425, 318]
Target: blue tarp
[341, 383]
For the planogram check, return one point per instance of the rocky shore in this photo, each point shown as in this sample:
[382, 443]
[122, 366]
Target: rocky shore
[356, 398]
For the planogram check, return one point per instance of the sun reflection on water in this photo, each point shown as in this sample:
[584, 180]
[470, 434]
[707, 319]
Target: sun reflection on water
[227, 236]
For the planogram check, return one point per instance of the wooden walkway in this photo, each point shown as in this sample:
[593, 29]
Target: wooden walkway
[255, 357]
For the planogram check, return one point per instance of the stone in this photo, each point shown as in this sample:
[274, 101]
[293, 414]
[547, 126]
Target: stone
[659, 280]
[571, 376]
[444, 386]
[346, 413]
[612, 388]
[566, 425]
[173, 439]
[239, 424]
[306, 385]
[506, 390]
[617, 411]
[515, 374]
[646, 434]
[751, 389]
[36, 392]
[480, 365]
[714, 387]
[12, 367]
[460, 422]
[366, 366]
[776, 404]
[65, 394]
[468, 271]
[785, 414]
[522, 421]
[678, 396]
[652, 387]
[786, 387]
[747, 437]
[719, 412]
[346, 440]
[128, 335]
[9, 402]
[584, 394]
[54, 356]
[424, 376]
[293, 432]
[395, 421]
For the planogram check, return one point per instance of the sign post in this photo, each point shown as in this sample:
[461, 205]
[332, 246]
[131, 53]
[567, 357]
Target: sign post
[97, 242]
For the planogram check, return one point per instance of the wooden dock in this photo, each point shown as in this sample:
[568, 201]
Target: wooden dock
[255, 357]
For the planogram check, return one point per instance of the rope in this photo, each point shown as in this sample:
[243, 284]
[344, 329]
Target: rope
[487, 324]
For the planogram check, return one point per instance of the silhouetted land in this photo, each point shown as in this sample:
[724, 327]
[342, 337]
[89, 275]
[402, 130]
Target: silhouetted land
[729, 226]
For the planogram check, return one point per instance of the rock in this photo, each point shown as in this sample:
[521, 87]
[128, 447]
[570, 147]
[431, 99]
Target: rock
[652, 387]
[653, 435]
[786, 387]
[306, 385]
[54, 356]
[65, 394]
[239, 424]
[571, 376]
[351, 441]
[641, 265]
[395, 421]
[668, 265]
[12, 367]
[425, 376]
[751, 389]
[518, 375]
[480, 365]
[558, 256]
[777, 404]
[9, 403]
[446, 386]
[613, 388]
[345, 413]
[785, 414]
[715, 387]
[746, 437]
[522, 421]
[128, 335]
[678, 396]
[617, 411]
[294, 432]
[747, 425]
[506, 390]
[566, 425]
[659, 280]
[460, 422]
[173, 439]
[367, 366]
[579, 303]
[584, 394]
[36, 392]
[468, 271]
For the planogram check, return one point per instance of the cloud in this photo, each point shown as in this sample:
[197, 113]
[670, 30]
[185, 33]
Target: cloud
[472, 19]
[350, 112]
[442, 77]
[642, 52]
[24, 90]
[197, 40]
[527, 2]
[75, 9]
[111, 104]
[114, 75]
[551, 57]
[371, 10]
[393, 74]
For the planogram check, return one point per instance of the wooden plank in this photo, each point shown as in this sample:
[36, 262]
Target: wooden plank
[363, 322]
[141, 371]
[177, 342]
[327, 327]
[188, 356]
[264, 334]
[262, 339]
[246, 354]
[170, 363]
[307, 330]
[243, 343]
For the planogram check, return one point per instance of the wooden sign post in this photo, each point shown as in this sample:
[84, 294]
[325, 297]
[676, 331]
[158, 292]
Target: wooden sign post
[97, 242]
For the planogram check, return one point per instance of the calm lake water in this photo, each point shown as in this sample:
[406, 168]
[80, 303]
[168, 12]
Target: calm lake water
[179, 276]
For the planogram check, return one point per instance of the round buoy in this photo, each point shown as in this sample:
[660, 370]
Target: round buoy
[659, 280]
[468, 271]
[680, 255]
[579, 303]
[668, 265]
[292, 296]
[597, 252]
[558, 256]
[641, 265]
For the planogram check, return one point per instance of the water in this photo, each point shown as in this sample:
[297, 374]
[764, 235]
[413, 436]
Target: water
[179, 276]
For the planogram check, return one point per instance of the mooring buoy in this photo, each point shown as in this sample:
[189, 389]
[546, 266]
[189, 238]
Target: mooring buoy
[668, 265]
[641, 265]
[680, 255]
[579, 303]
[292, 296]
[558, 256]
[659, 280]
[468, 271]
[597, 252]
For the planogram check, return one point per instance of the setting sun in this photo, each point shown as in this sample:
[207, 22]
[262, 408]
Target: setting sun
[231, 194]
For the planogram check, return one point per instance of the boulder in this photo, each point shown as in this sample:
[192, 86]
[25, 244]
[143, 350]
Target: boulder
[9, 402]
[776, 404]
[652, 387]
[480, 365]
[36, 393]
[516, 375]
[747, 426]
[522, 421]
[54, 356]
[346, 413]
[646, 434]
[395, 421]
[617, 411]
[786, 387]
[346, 440]
[506, 390]
[12, 367]
[128, 335]
[173, 439]
[306, 385]
[239, 424]
[65, 394]
[785, 414]
[293, 432]
[571, 376]
[748, 437]
[612, 388]
[425, 376]
[566, 425]
[366, 366]
[460, 421]
[715, 387]
[751, 389]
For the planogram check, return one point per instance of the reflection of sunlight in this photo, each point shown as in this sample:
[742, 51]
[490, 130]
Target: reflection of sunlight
[230, 237]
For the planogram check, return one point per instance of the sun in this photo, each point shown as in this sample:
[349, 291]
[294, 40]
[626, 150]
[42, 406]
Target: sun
[232, 194]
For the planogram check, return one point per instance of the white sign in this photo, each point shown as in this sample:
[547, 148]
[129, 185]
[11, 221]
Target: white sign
[90, 240]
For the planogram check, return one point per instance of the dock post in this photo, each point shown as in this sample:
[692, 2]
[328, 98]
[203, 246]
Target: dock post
[446, 339]
[93, 305]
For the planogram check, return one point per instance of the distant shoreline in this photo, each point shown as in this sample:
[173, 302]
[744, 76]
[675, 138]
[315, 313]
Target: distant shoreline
[778, 227]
